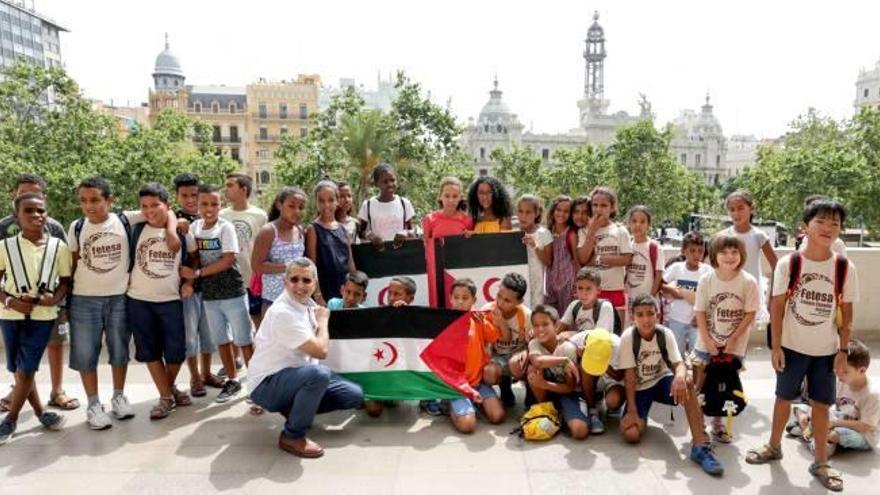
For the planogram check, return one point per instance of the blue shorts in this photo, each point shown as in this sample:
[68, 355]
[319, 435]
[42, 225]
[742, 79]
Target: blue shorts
[158, 331]
[94, 319]
[569, 406]
[818, 371]
[851, 439]
[661, 392]
[464, 406]
[685, 336]
[198, 333]
[25, 341]
[229, 320]
[255, 303]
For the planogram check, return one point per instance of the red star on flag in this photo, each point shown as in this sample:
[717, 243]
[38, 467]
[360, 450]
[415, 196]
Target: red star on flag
[379, 355]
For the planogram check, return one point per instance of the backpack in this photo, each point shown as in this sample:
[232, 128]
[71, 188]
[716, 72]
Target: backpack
[597, 308]
[540, 423]
[722, 394]
[46, 279]
[660, 335]
[136, 234]
[80, 222]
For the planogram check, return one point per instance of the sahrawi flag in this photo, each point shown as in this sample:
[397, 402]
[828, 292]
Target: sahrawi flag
[400, 353]
[485, 259]
[388, 261]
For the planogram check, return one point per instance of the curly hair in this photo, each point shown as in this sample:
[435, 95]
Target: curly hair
[562, 198]
[501, 206]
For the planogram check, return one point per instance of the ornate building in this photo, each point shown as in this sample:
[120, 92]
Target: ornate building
[698, 139]
[868, 88]
[378, 99]
[249, 121]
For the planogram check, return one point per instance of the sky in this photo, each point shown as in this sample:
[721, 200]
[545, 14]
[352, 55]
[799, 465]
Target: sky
[762, 62]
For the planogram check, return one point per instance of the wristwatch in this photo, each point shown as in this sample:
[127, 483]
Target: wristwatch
[6, 301]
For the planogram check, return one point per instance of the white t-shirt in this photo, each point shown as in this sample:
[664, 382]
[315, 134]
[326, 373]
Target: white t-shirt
[155, 276]
[515, 344]
[678, 275]
[725, 305]
[808, 326]
[212, 244]
[640, 274]
[247, 223]
[287, 325]
[649, 364]
[102, 269]
[537, 270]
[860, 405]
[563, 349]
[838, 246]
[386, 219]
[754, 241]
[584, 319]
[611, 240]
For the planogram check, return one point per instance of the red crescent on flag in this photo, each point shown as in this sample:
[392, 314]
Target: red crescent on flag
[393, 353]
[382, 295]
[488, 285]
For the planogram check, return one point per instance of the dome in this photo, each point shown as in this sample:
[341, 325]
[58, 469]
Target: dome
[167, 63]
[595, 31]
[494, 107]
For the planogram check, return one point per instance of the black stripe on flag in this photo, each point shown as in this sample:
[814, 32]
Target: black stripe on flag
[414, 322]
[504, 249]
[408, 259]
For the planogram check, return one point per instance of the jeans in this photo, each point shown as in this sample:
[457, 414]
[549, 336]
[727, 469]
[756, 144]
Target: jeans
[94, 319]
[300, 393]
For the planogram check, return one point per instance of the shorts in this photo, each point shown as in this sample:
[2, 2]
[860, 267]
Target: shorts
[661, 392]
[195, 322]
[158, 331]
[503, 360]
[229, 321]
[616, 297]
[702, 358]
[25, 341]
[464, 406]
[94, 319]
[606, 383]
[569, 406]
[255, 303]
[851, 439]
[819, 372]
[60, 331]
[685, 336]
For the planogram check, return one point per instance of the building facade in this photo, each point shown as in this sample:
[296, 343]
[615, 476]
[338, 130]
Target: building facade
[249, 122]
[28, 35]
[377, 99]
[868, 88]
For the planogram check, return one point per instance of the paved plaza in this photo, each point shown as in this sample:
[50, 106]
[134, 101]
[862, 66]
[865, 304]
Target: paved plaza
[210, 447]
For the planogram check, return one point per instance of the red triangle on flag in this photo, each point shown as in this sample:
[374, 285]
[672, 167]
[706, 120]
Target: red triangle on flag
[446, 354]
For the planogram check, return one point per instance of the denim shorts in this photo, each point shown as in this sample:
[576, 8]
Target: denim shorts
[819, 372]
[661, 392]
[25, 341]
[851, 439]
[464, 406]
[195, 321]
[158, 331]
[685, 336]
[94, 319]
[255, 303]
[569, 406]
[229, 321]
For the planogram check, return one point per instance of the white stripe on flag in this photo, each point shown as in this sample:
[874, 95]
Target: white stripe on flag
[362, 355]
[488, 279]
[377, 293]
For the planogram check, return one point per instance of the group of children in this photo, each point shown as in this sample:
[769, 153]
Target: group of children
[195, 281]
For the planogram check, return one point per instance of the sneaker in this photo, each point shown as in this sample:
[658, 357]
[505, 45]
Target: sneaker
[596, 425]
[96, 418]
[239, 364]
[230, 390]
[793, 428]
[703, 455]
[7, 429]
[52, 421]
[432, 407]
[121, 408]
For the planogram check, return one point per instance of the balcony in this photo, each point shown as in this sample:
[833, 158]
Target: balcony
[268, 138]
[220, 111]
[227, 139]
[287, 117]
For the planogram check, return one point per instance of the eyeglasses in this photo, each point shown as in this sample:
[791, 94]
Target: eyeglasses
[296, 279]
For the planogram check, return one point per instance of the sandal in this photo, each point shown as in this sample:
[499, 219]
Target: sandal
[257, 410]
[162, 409]
[181, 398]
[214, 381]
[764, 454]
[197, 389]
[830, 478]
[4, 404]
[63, 402]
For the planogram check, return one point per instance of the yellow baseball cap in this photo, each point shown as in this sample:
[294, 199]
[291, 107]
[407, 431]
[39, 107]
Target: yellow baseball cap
[598, 350]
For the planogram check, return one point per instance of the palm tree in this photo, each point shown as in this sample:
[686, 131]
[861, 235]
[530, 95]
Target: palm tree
[366, 138]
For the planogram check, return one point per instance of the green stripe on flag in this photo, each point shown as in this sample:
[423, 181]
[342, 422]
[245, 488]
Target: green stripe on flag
[402, 385]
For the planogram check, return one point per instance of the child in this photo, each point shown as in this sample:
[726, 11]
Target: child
[511, 317]
[855, 417]
[225, 300]
[489, 205]
[100, 263]
[199, 346]
[681, 279]
[553, 373]
[154, 310]
[539, 244]
[725, 306]
[577, 322]
[30, 305]
[600, 370]
[644, 275]
[655, 372]
[559, 287]
[449, 220]
[740, 207]
[809, 287]
[279, 242]
[580, 216]
[800, 241]
[386, 217]
[343, 211]
[607, 247]
[327, 242]
[354, 292]
[481, 334]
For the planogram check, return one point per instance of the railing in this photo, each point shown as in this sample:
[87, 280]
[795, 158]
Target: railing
[227, 139]
[268, 137]
[279, 116]
[208, 111]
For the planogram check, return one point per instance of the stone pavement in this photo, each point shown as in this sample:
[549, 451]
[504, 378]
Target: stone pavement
[221, 448]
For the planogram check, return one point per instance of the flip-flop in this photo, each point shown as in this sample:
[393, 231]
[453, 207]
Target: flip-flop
[65, 405]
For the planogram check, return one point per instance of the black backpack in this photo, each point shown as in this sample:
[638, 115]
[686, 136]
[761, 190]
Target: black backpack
[722, 394]
[597, 308]
[136, 234]
[660, 335]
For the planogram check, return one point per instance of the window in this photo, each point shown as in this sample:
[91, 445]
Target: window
[866, 93]
[545, 154]
[264, 177]
[217, 134]
[282, 110]
[717, 160]
[264, 133]
[198, 107]
[233, 133]
[303, 131]
[303, 111]
[263, 154]
[698, 160]
[684, 159]
[484, 172]
[262, 110]
[215, 107]
[482, 153]
[233, 153]
[233, 107]
[284, 130]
